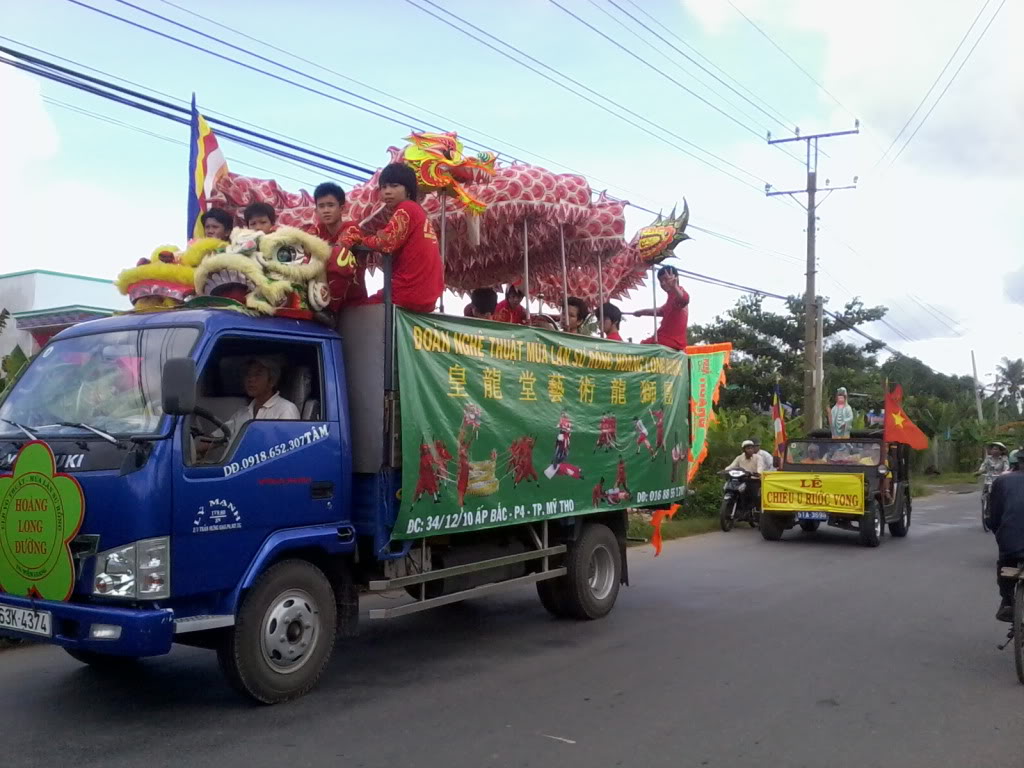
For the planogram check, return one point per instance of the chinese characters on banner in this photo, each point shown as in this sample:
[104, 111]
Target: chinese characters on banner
[707, 374]
[505, 424]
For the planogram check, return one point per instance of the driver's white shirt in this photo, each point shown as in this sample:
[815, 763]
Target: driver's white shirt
[767, 461]
[275, 409]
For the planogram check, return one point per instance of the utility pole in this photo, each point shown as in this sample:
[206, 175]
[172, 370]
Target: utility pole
[813, 375]
[977, 389]
[819, 363]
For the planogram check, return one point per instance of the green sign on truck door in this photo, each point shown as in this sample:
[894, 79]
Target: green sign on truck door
[505, 424]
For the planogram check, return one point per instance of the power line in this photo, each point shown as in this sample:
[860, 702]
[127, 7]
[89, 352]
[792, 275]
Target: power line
[782, 119]
[162, 137]
[793, 61]
[46, 69]
[647, 64]
[239, 139]
[948, 84]
[931, 88]
[686, 56]
[303, 74]
[601, 106]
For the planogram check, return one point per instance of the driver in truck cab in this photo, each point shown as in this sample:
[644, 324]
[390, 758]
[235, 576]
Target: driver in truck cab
[262, 375]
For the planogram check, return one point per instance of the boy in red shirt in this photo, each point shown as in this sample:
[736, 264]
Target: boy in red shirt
[511, 310]
[612, 318]
[674, 313]
[344, 275]
[417, 275]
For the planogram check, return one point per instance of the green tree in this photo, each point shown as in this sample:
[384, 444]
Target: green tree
[770, 345]
[1010, 379]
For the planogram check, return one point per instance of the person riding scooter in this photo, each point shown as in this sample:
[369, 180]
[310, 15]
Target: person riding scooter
[750, 462]
[1006, 516]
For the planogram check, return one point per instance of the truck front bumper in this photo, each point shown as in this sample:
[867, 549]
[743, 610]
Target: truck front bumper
[139, 632]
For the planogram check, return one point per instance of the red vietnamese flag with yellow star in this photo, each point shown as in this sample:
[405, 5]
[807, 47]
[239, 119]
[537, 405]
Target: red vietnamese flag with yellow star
[898, 426]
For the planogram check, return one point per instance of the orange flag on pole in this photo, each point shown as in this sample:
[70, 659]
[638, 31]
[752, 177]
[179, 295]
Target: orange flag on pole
[898, 426]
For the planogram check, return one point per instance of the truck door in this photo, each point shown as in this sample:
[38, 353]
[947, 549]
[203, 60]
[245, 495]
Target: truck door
[270, 473]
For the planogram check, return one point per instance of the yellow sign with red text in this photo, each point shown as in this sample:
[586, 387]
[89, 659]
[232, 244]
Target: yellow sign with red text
[833, 492]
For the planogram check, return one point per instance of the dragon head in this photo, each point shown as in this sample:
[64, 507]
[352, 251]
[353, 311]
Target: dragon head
[300, 259]
[440, 164]
[282, 273]
[655, 242]
[232, 273]
[162, 281]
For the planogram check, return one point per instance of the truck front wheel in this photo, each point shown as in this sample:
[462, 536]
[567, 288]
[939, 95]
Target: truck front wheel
[283, 635]
[594, 564]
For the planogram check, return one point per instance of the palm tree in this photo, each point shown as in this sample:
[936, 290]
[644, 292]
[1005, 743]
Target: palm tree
[1010, 379]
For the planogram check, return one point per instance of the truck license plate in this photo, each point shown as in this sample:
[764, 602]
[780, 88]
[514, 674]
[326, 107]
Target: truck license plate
[812, 515]
[23, 620]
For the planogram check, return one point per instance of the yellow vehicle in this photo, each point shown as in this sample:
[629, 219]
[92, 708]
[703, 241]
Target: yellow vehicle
[860, 483]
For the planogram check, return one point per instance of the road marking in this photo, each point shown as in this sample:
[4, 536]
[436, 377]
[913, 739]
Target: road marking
[558, 738]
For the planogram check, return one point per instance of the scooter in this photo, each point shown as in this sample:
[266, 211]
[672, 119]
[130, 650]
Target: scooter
[738, 502]
[986, 494]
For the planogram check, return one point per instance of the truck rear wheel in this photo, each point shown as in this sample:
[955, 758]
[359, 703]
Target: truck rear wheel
[872, 526]
[902, 526]
[771, 527]
[552, 593]
[283, 635]
[594, 564]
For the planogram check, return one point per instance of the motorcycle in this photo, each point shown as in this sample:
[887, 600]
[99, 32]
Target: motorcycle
[986, 493]
[738, 502]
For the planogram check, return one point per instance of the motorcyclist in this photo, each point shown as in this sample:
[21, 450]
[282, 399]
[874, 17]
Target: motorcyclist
[994, 463]
[749, 461]
[1006, 516]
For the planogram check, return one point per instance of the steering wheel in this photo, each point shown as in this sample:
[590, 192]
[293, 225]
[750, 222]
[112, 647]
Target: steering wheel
[210, 417]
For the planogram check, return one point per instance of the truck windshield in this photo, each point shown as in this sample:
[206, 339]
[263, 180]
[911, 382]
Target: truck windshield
[837, 453]
[109, 381]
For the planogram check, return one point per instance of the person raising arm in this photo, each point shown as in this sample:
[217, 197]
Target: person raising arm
[417, 275]
[674, 313]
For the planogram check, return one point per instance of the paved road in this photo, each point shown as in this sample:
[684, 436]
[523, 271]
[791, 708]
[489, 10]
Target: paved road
[726, 651]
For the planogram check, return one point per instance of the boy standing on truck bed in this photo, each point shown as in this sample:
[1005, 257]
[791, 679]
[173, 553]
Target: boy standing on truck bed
[673, 313]
[344, 277]
[417, 276]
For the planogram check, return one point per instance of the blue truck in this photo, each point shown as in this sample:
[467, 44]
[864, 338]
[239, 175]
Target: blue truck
[261, 547]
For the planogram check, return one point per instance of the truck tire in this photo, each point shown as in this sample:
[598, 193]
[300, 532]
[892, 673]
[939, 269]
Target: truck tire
[809, 526]
[901, 527]
[552, 594]
[727, 514]
[771, 527]
[283, 635]
[872, 526]
[104, 662]
[594, 564]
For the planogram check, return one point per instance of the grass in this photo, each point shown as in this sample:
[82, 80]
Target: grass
[917, 490]
[672, 529]
[950, 478]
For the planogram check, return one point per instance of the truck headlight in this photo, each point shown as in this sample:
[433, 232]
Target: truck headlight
[141, 570]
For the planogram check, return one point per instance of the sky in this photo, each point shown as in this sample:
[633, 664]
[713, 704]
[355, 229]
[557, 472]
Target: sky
[936, 236]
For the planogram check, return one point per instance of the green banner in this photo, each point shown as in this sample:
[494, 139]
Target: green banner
[707, 374]
[505, 424]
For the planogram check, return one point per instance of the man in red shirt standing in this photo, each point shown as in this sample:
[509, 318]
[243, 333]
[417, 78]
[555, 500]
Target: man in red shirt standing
[344, 276]
[674, 313]
[417, 274]
[511, 310]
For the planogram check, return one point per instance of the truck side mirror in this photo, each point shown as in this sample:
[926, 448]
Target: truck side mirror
[178, 386]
